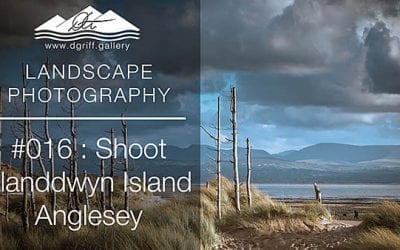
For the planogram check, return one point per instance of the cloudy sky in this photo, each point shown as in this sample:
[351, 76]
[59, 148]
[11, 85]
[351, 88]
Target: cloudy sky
[170, 41]
[307, 71]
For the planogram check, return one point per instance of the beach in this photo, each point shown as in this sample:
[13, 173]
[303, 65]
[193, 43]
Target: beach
[343, 227]
[341, 209]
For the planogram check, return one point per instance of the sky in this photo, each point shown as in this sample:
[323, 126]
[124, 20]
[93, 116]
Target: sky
[306, 72]
[170, 41]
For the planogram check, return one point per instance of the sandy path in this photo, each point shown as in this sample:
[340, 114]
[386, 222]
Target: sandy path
[332, 235]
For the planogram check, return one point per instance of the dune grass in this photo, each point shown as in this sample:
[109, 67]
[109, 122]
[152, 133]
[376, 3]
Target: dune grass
[380, 228]
[376, 239]
[385, 215]
[184, 223]
[264, 215]
[172, 225]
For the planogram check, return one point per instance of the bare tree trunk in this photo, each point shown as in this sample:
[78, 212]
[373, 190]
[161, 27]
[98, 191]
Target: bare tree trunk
[234, 149]
[86, 193]
[126, 162]
[47, 137]
[1, 129]
[69, 196]
[248, 177]
[25, 214]
[102, 195]
[31, 170]
[219, 159]
[74, 157]
[112, 163]
[7, 202]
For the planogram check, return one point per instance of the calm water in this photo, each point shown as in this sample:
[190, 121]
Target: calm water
[341, 191]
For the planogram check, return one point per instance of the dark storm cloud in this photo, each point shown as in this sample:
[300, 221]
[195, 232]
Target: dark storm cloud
[18, 19]
[305, 63]
[170, 34]
[169, 41]
[305, 37]
[382, 60]
[308, 53]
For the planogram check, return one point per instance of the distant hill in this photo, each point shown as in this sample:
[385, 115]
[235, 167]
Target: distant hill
[342, 153]
[226, 154]
[323, 163]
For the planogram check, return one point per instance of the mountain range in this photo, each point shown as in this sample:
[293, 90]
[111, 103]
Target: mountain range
[342, 153]
[324, 163]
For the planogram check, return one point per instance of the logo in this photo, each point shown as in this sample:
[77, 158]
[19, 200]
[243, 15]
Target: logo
[88, 24]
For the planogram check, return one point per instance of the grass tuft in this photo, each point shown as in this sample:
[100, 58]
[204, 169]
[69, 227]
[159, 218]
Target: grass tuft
[378, 238]
[384, 215]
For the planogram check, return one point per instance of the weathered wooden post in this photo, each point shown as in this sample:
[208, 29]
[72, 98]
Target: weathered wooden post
[248, 177]
[234, 149]
[317, 193]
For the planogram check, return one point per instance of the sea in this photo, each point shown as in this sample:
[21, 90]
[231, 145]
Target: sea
[331, 191]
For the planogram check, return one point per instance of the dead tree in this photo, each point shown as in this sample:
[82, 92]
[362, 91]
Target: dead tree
[234, 149]
[1, 130]
[7, 202]
[25, 162]
[126, 160]
[31, 170]
[102, 191]
[248, 177]
[86, 192]
[74, 156]
[112, 165]
[219, 158]
[217, 139]
[48, 138]
[317, 191]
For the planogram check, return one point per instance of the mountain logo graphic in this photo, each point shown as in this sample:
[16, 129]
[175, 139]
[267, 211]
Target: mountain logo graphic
[88, 24]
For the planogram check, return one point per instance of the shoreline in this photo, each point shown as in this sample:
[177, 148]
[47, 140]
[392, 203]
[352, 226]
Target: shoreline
[349, 209]
[333, 200]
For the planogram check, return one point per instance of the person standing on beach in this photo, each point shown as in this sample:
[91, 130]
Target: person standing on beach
[355, 214]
